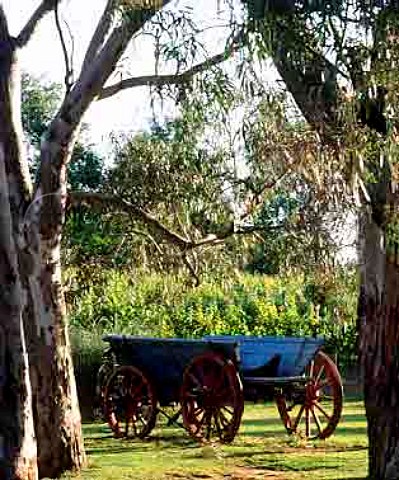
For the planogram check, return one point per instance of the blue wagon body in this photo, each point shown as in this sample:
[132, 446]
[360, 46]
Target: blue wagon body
[164, 360]
[286, 357]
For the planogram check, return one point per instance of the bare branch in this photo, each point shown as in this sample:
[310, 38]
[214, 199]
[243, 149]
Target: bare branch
[26, 33]
[99, 35]
[159, 80]
[68, 61]
[150, 237]
[104, 201]
[191, 269]
[101, 200]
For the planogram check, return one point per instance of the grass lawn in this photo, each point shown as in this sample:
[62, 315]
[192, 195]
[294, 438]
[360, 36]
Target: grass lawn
[262, 449]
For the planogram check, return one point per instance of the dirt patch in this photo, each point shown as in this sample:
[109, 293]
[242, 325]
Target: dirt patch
[239, 473]
[250, 473]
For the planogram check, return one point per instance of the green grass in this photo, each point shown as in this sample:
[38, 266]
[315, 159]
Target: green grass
[261, 450]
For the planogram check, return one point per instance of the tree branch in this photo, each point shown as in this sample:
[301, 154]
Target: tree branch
[26, 33]
[105, 200]
[99, 35]
[67, 59]
[102, 201]
[92, 78]
[170, 79]
[312, 82]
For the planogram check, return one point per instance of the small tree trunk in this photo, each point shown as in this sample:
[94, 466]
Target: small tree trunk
[55, 404]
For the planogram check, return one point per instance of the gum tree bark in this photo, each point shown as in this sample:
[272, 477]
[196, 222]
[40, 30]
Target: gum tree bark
[18, 451]
[37, 387]
[379, 291]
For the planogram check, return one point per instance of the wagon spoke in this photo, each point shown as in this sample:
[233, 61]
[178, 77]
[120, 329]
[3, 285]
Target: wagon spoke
[324, 383]
[200, 423]
[208, 425]
[307, 422]
[198, 409]
[218, 427]
[298, 418]
[226, 408]
[142, 419]
[319, 374]
[317, 420]
[319, 407]
[311, 368]
[200, 375]
[196, 381]
[224, 420]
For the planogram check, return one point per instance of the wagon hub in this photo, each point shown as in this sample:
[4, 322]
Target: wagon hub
[312, 393]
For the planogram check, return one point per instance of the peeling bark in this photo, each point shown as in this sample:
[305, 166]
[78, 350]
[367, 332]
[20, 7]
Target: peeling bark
[34, 341]
[379, 348]
[18, 452]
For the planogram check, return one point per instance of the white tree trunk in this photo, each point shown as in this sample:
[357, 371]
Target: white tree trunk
[18, 452]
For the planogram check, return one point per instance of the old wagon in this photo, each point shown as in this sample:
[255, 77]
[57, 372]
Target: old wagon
[209, 379]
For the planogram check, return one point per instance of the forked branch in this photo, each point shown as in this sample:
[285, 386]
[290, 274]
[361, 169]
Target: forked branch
[99, 35]
[26, 33]
[185, 244]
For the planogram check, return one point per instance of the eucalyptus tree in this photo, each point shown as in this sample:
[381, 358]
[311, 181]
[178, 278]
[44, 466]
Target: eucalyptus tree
[40, 424]
[339, 62]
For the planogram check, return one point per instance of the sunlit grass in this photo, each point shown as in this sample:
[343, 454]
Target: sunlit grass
[261, 450]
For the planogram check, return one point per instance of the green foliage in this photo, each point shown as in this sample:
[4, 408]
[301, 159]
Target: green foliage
[159, 305]
[39, 104]
[40, 101]
[85, 171]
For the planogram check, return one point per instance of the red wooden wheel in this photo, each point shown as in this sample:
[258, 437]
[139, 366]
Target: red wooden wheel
[313, 410]
[212, 399]
[130, 403]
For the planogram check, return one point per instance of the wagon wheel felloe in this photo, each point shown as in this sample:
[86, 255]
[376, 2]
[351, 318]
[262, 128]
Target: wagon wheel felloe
[314, 409]
[211, 398]
[130, 403]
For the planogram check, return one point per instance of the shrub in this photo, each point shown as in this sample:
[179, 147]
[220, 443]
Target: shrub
[163, 306]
